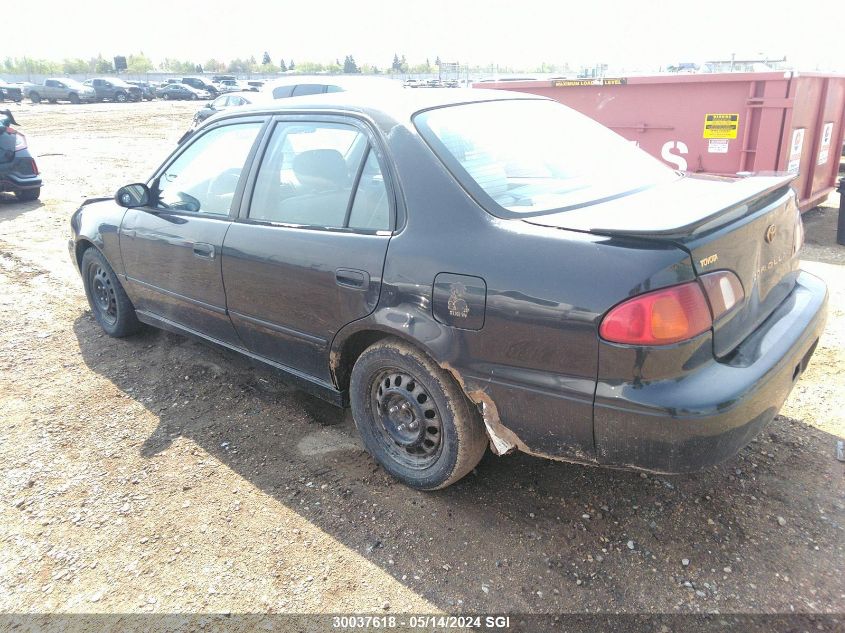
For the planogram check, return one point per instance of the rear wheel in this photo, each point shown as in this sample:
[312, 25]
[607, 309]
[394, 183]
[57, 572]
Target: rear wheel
[413, 417]
[28, 195]
[35, 97]
[109, 303]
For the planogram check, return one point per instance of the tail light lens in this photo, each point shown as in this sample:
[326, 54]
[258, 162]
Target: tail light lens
[662, 317]
[724, 292]
[20, 139]
[799, 235]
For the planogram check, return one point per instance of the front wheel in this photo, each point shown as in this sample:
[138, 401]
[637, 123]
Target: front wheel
[73, 97]
[413, 417]
[120, 97]
[165, 96]
[107, 298]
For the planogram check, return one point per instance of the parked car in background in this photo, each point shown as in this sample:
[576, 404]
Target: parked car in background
[413, 83]
[54, 90]
[180, 91]
[297, 86]
[111, 89]
[221, 78]
[201, 84]
[10, 92]
[255, 84]
[225, 102]
[147, 89]
[18, 170]
[228, 85]
[470, 269]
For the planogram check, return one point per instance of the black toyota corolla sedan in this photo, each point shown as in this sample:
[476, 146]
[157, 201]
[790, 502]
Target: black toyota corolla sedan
[466, 268]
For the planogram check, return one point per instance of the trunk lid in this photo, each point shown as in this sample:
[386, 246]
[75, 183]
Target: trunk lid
[747, 226]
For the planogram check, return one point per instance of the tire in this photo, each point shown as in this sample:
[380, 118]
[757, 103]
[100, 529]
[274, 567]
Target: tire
[53, 100]
[413, 417]
[120, 97]
[73, 97]
[166, 97]
[35, 97]
[107, 298]
[28, 195]
[193, 97]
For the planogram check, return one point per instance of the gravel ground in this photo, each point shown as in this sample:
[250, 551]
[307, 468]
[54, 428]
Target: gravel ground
[159, 474]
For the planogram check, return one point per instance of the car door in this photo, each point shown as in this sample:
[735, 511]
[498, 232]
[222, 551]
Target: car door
[171, 249]
[306, 254]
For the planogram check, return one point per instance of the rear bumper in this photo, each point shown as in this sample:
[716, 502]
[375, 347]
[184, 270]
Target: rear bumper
[14, 181]
[709, 414]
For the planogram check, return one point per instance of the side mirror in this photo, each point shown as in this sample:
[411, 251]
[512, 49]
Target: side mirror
[131, 196]
[208, 105]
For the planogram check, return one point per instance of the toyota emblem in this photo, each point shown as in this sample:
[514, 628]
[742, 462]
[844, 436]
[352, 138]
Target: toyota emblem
[771, 232]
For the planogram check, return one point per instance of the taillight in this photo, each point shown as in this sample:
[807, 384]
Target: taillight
[724, 292]
[20, 139]
[799, 235]
[661, 317]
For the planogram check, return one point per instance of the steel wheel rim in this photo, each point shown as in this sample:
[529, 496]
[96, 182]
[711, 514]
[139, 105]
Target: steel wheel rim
[103, 295]
[408, 423]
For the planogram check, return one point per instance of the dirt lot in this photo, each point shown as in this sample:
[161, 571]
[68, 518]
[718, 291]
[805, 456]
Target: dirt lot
[158, 474]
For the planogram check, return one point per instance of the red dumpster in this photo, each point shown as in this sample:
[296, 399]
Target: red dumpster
[720, 123]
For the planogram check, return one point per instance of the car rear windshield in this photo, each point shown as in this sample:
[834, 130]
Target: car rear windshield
[533, 156]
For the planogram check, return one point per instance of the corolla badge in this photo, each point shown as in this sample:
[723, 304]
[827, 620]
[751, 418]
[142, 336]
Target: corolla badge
[457, 304]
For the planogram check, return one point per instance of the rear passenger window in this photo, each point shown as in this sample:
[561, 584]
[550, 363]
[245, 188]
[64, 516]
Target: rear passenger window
[370, 209]
[308, 177]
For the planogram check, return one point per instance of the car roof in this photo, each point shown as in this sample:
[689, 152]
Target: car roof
[387, 107]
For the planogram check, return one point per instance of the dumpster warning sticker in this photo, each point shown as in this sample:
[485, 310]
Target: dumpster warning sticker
[824, 150]
[717, 146]
[795, 151]
[721, 125]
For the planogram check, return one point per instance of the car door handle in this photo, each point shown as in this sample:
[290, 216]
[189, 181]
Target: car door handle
[203, 250]
[350, 278]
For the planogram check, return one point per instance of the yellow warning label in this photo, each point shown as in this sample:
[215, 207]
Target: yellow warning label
[721, 125]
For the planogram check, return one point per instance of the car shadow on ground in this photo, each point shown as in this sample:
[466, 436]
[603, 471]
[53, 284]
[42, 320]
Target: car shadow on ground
[519, 533]
[11, 207]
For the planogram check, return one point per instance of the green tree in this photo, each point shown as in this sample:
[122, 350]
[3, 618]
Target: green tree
[349, 65]
[138, 64]
[74, 66]
[214, 66]
[396, 66]
[291, 66]
[310, 67]
[282, 66]
[266, 61]
[239, 65]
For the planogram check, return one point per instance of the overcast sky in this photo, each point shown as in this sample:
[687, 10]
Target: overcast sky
[627, 34]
